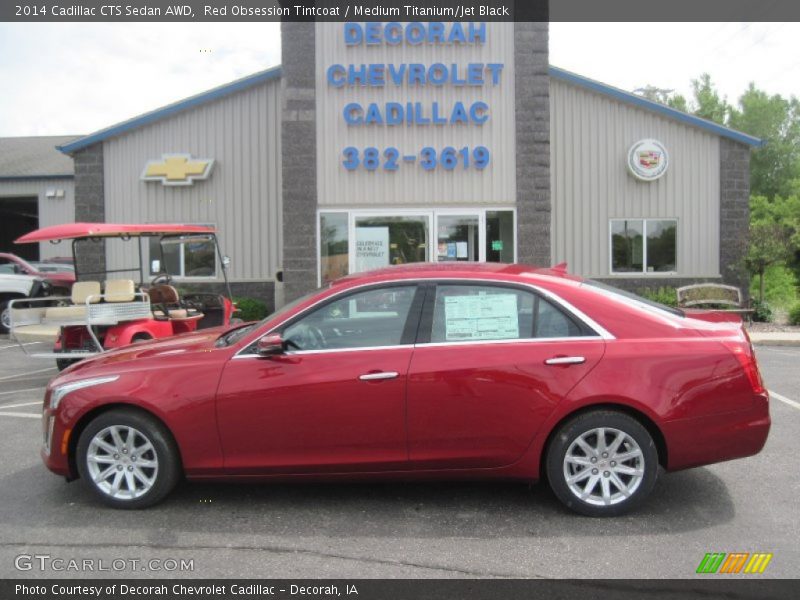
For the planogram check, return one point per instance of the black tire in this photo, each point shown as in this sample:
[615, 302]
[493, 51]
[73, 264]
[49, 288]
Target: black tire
[169, 466]
[63, 363]
[141, 337]
[588, 424]
[4, 316]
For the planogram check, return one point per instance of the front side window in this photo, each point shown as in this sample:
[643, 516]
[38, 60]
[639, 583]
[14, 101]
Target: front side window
[644, 245]
[189, 256]
[464, 313]
[368, 319]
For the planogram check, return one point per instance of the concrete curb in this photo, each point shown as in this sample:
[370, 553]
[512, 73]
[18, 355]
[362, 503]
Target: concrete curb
[775, 339]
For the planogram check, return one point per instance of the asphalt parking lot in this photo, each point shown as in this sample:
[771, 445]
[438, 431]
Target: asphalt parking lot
[398, 530]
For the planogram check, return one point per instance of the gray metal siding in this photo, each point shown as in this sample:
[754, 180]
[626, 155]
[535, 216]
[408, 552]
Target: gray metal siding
[52, 211]
[241, 197]
[411, 185]
[590, 138]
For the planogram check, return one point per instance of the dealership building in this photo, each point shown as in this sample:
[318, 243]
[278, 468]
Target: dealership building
[388, 143]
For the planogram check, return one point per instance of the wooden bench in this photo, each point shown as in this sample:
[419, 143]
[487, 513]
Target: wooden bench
[712, 296]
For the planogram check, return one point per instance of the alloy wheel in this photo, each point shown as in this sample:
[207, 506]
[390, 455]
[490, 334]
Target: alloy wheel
[122, 462]
[604, 466]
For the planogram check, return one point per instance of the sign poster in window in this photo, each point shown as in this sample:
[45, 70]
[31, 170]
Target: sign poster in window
[372, 248]
[482, 317]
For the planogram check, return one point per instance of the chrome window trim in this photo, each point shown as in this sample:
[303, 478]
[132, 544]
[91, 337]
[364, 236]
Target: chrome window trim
[601, 332]
[575, 338]
[331, 350]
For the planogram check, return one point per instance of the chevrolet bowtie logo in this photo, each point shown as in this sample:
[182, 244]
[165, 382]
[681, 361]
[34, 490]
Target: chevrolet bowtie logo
[177, 169]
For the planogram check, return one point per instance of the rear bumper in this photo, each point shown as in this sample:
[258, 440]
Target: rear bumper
[717, 438]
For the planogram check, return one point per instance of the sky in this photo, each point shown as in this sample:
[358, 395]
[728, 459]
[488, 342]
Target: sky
[76, 78]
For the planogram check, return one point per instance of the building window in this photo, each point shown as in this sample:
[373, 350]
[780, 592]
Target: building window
[644, 245]
[183, 256]
[333, 246]
[355, 241]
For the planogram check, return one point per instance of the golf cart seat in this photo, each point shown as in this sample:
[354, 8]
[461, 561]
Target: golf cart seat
[81, 291]
[166, 304]
[120, 290]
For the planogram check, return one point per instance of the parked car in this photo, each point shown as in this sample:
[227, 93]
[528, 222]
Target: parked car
[17, 287]
[450, 371]
[59, 276]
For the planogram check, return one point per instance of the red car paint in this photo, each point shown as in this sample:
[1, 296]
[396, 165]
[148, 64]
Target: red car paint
[464, 410]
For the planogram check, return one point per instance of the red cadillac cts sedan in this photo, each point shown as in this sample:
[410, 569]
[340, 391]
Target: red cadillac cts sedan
[450, 371]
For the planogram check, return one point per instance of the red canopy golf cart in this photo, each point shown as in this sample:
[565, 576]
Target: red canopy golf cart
[108, 309]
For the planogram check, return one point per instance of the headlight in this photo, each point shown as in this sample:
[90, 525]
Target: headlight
[62, 390]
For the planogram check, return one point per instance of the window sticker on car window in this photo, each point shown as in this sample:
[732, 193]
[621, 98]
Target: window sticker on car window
[483, 317]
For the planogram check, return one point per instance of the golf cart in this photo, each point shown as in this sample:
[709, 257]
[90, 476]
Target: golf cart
[106, 309]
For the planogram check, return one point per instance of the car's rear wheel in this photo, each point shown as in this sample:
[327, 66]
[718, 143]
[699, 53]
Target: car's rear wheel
[602, 463]
[128, 458]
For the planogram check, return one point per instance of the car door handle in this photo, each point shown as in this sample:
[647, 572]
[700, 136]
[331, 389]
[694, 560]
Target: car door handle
[565, 360]
[378, 376]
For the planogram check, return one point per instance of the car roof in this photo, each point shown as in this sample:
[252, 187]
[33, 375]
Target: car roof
[455, 270]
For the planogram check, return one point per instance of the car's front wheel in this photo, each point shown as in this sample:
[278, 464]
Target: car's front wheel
[128, 459]
[602, 463]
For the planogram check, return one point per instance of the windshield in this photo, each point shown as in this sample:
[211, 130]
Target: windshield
[610, 289]
[236, 333]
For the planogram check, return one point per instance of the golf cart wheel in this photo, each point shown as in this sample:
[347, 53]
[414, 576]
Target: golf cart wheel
[5, 317]
[63, 363]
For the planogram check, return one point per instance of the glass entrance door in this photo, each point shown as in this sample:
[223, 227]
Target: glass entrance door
[360, 240]
[458, 237]
[382, 240]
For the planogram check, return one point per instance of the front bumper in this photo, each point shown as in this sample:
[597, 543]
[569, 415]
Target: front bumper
[55, 444]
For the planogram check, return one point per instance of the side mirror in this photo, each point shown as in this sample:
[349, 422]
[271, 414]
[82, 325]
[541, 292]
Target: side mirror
[270, 345]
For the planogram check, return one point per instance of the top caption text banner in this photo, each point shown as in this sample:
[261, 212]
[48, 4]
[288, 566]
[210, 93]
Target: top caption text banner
[402, 10]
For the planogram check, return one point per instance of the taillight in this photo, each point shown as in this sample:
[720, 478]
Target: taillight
[743, 351]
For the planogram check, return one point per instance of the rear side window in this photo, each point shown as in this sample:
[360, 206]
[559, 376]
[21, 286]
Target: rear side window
[552, 322]
[463, 312]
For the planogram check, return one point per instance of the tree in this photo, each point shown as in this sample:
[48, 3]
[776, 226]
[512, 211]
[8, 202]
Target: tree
[769, 244]
[706, 103]
[775, 167]
[662, 96]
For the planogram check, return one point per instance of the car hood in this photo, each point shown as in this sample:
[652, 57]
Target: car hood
[138, 355]
[56, 276]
